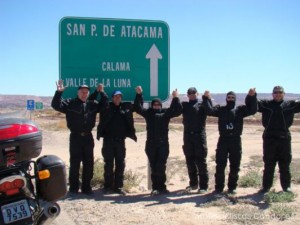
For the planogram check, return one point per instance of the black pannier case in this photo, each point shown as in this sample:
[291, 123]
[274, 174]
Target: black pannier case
[54, 187]
[24, 146]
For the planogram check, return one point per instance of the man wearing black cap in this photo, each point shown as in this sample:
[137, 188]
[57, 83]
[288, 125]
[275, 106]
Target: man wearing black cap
[116, 123]
[230, 124]
[81, 117]
[157, 143]
[194, 142]
[277, 117]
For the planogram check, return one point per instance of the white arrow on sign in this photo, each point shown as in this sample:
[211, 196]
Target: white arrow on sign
[153, 55]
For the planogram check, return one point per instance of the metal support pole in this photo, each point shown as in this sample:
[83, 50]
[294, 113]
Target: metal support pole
[149, 181]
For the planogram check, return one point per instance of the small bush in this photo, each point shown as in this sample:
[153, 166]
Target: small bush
[282, 211]
[98, 178]
[131, 180]
[272, 197]
[213, 158]
[175, 127]
[251, 179]
[295, 172]
[140, 127]
[175, 167]
[217, 202]
[256, 161]
[245, 214]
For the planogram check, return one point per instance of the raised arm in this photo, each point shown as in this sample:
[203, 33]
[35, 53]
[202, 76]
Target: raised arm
[207, 104]
[58, 103]
[138, 101]
[251, 102]
[175, 108]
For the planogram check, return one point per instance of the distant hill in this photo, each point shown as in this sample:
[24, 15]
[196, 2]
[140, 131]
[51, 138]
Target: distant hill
[20, 101]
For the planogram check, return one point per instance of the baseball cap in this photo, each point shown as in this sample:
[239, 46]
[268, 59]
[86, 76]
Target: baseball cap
[278, 88]
[83, 86]
[117, 92]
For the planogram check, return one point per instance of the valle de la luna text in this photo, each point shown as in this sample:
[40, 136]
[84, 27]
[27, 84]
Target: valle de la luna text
[107, 82]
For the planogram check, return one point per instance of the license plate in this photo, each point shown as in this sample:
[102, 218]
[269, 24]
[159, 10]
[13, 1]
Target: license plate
[15, 211]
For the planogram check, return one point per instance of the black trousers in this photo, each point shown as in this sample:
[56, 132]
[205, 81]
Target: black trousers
[158, 153]
[277, 150]
[114, 153]
[228, 148]
[81, 150]
[195, 151]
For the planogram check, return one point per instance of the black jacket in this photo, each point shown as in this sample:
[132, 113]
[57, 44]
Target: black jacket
[194, 116]
[230, 121]
[77, 119]
[277, 117]
[107, 111]
[157, 122]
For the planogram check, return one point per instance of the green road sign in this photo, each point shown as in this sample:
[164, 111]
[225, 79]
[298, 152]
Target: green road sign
[39, 105]
[121, 54]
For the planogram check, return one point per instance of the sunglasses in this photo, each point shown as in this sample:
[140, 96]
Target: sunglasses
[278, 92]
[230, 97]
[191, 93]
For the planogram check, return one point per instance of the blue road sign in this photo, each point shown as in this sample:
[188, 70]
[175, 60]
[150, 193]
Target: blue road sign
[30, 104]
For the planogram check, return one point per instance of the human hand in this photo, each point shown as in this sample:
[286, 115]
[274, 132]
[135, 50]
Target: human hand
[139, 90]
[100, 88]
[175, 93]
[207, 94]
[60, 86]
[252, 92]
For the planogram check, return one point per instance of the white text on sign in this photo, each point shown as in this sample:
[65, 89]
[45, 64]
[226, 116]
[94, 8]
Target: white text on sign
[125, 31]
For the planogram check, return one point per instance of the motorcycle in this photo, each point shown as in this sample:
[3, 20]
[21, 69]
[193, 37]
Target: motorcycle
[29, 188]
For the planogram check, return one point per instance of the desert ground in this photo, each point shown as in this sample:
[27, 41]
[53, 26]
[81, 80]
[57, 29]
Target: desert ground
[138, 207]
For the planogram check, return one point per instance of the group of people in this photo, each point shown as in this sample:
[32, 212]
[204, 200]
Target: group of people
[116, 123]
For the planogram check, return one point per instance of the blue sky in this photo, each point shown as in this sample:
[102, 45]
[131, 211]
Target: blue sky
[216, 45]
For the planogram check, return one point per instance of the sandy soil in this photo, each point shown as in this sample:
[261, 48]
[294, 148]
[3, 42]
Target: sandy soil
[138, 207]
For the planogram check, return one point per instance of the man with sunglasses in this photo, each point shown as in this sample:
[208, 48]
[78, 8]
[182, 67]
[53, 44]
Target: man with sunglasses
[230, 124]
[157, 143]
[194, 142]
[277, 117]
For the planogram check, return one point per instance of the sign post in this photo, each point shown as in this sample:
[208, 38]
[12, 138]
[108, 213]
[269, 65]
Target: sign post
[119, 53]
[30, 106]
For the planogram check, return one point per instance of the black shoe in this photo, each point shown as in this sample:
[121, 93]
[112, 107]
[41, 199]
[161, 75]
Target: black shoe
[72, 193]
[164, 191]
[159, 192]
[154, 192]
[202, 191]
[263, 190]
[120, 191]
[88, 192]
[107, 191]
[289, 190]
[190, 188]
[232, 191]
[217, 192]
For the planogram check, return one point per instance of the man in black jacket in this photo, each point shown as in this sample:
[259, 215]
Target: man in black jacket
[81, 117]
[230, 124]
[157, 143]
[194, 142]
[116, 123]
[277, 117]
